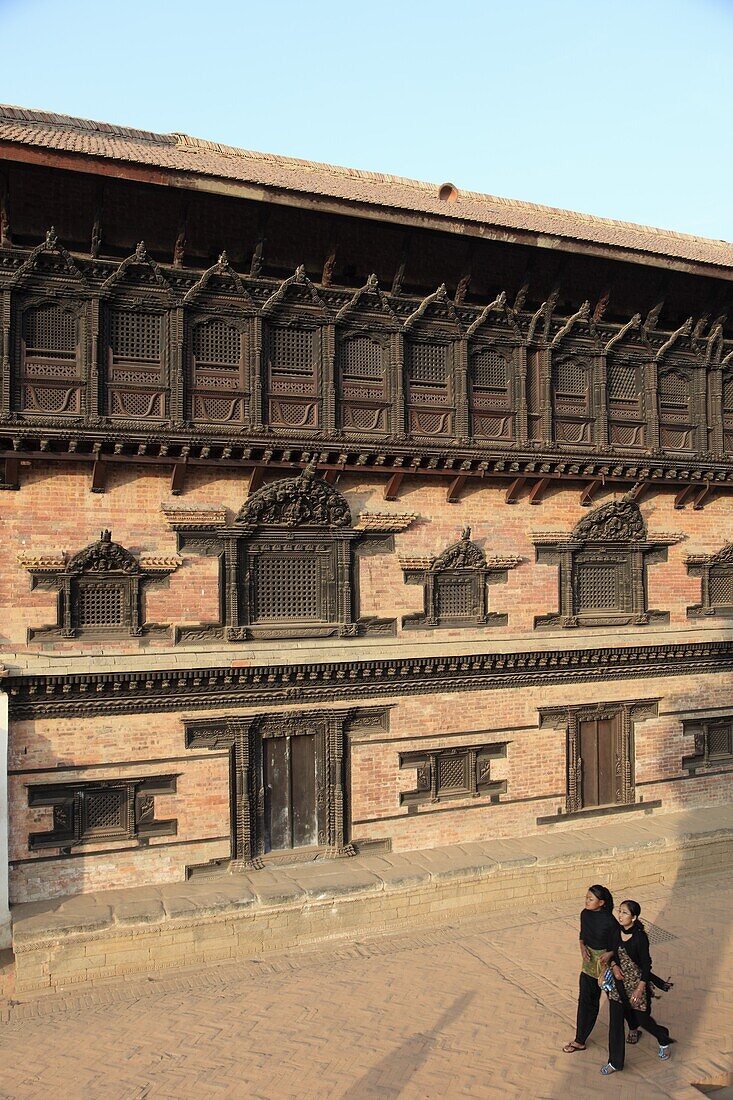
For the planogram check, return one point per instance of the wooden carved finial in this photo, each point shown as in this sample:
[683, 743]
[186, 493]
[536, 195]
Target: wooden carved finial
[51, 238]
[223, 260]
[105, 536]
[140, 253]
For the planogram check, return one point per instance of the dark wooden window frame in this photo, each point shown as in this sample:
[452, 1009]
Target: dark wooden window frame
[570, 718]
[613, 536]
[490, 403]
[474, 762]
[53, 371]
[464, 565]
[705, 732]
[214, 382]
[571, 411]
[711, 568]
[365, 398]
[73, 806]
[242, 737]
[626, 416]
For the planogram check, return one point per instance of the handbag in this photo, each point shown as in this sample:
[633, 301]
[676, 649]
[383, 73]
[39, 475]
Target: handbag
[631, 979]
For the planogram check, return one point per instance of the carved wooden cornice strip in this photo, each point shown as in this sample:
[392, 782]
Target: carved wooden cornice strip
[42, 562]
[187, 516]
[343, 681]
[724, 556]
[384, 523]
[160, 563]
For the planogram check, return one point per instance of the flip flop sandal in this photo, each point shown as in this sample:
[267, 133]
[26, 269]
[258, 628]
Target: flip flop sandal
[608, 1069]
[633, 1037]
[572, 1048]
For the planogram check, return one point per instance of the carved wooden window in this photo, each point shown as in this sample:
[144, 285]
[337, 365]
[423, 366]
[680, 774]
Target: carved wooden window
[728, 410]
[428, 369]
[571, 395]
[603, 569]
[455, 585]
[219, 366]
[716, 575]
[713, 741]
[445, 774]
[292, 376]
[50, 377]
[363, 387]
[287, 587]
[100, 590]
[88, 812]
[625, 403]
[490, 394]
[135, 380]
[675, 411]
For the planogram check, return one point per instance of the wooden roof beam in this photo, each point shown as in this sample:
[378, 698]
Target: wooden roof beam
[392, 488]
[589, 491]
[537, 491]
[512, 493]
[684, 495]
[455, 488]
[699, 501]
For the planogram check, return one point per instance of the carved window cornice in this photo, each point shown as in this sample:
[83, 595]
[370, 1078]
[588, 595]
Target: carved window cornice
[100, 589]
[455, 585]
[603, 568]
[101, 810]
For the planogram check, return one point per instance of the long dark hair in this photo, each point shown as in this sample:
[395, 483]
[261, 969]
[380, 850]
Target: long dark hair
[604, 894]
[634, 908]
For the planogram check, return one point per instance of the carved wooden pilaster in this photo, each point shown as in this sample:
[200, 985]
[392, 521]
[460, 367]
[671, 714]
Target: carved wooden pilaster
[328, 377]
[651, 405]
[176, 384]
[521, 431]
[244, 812]
[7, 381]
[397, 349]
[256, 369]
[699, 407]
[545, 364]
[567, 600]
[627, 793]
[460, 388]
[573, 800]
[600, 404]
[715, 410]
[231, 590]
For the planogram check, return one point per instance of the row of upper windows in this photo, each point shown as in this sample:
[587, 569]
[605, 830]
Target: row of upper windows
[219, 362]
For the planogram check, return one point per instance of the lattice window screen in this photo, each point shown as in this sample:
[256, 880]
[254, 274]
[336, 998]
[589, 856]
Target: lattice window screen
[452, 772]
[720, 741]
[427, 364]
[217, 343]
[286, 587]
[728, 392]
[100, 605]
[49, 329]
[105, 811]
[598, 587]
[571, 378]
[359, 358]
[623, 382]
[135, 335]
[290, 351]
[489, 370]
[721, 586]
[454, 598]
[674, 388]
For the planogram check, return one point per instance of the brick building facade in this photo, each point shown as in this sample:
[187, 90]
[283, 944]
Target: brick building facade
[301, 556]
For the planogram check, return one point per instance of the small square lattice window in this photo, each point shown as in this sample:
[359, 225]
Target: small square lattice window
[286, 587]
[674, 389]
[721, 587]
[489, 370]
[360, 358]
[454, 598]
[571, 378]
[720, 739]
[104, 811]
[623, 383]
[598, 587]
[427, 364]
[135, 335]
[49, 329]
[291, 351]
[453, 773]
[217, 343]
[100, 605]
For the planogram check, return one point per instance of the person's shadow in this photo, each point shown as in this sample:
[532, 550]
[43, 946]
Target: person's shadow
[392, 1073]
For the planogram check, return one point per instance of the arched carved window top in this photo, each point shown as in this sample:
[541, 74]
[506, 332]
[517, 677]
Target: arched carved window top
[571, 376]
[463, 554]
[368, 307]
[674, 387]
[617, 521]
[436, 316]
[49, 260]
[138, 273]
[50, 328]
[220, 280]
[297, 295]
[103, 556]
[302, 501]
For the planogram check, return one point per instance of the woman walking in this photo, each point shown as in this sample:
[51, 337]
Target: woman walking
[599, 939]
[631, 968]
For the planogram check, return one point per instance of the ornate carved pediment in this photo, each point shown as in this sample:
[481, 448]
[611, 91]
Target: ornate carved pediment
[368, 305]
[297, 291]
[137, 272]
[220, 279]
[103, 556]
[302, 501]
[435, 311]
[722, 557]
[49, 259]
[497, 315]
[463, 554]
[617, 521]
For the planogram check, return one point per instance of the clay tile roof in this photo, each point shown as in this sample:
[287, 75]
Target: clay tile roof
[181, 153]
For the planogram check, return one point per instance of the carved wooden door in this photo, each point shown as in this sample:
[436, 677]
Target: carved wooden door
[289, 766]
[599, 744]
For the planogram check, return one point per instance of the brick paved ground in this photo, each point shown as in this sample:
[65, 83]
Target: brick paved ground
[479, 1010]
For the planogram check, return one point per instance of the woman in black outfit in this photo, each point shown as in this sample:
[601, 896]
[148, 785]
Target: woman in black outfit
[599, 938]
[631, 967]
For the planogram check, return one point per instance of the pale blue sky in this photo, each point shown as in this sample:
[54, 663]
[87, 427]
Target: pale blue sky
[619, 108]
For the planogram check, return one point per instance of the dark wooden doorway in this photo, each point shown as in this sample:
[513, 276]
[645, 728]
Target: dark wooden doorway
[289, 779]
[599, 744]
